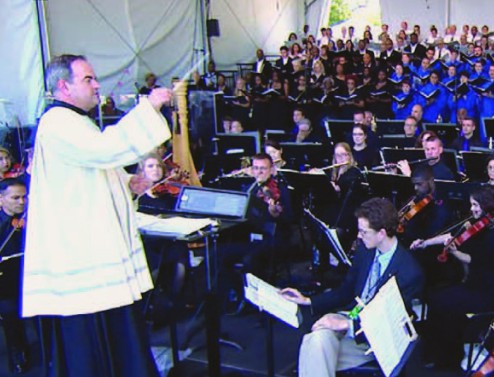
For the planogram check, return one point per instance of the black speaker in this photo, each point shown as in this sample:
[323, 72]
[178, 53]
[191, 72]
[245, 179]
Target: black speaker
[213, 27]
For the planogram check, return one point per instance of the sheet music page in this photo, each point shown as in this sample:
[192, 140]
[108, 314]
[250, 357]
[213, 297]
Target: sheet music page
[383, 322]
[172, 226]
[337, 245]
[267, 298]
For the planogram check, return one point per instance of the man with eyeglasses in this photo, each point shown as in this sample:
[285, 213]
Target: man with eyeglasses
[331, 345]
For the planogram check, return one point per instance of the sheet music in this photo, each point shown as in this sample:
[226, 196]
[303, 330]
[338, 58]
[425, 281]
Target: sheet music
[268, 298]
[172, 226]
[387, 326]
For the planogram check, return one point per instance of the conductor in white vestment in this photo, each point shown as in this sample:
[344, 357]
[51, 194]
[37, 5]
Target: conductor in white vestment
[84, 262]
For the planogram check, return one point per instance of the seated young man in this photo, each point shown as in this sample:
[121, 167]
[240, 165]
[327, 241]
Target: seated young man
[331, 346]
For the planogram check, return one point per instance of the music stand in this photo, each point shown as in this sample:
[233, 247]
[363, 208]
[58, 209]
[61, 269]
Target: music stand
[309, 185]
[301, 154]
[241, 183]
[340, 130]
[277, 135]
[447, 132]
[396, 187]
[217, 166]
[244, 144]
[397, 141]
[475, 164]
[449, 157]
[456, 192]
[488, 130]
[389, 127]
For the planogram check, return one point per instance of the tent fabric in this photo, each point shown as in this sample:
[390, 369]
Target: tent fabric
[21, 80]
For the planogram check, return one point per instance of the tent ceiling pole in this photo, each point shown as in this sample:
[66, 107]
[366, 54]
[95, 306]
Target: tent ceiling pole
[44, 44]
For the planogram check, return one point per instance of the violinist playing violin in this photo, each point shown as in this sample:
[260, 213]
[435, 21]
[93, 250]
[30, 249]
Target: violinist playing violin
[13, 200]
[7, 168]
[472, 245]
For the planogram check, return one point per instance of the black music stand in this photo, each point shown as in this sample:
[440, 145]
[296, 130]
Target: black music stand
[240, 183]
[302, 154]
[216, 166]
[277, 135]
[396, 187]
[475, 165]
[389, 127]
[456, 192]
[340, 130]
[447, 132]
[245, 144]
[449, 157]
[310, 185]
[397, 141]
[488, 128]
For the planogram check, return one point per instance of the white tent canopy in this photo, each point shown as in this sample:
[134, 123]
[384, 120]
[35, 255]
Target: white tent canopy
[124, 39]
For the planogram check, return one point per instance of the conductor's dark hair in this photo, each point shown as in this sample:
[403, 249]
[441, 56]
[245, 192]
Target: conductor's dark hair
[60, 68]
[485, 197]
[380, 213]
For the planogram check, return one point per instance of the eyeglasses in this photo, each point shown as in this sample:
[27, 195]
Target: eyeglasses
[359, 134]
[364, 232]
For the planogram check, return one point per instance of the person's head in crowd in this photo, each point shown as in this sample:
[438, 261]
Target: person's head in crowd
[295, 50]
[434, 78]
[324, 51]
[482, 201]
[301, 82]
[461, 114]
[470, 49]
[429, 53]
[5, 160]
[351, 31]
[318, 68]
[453, 54]
[451, 71]
[489, 166]
[402, 35]
[304, 129]
[367, 59]
[297, 65]
[417, 112]
[13, 196]
[400, 43]
[491, 72]
[368, 35]
[351, 83]
[311, 39]
[361, 45]
[463, 39]
[468, 127]
[416, 29]
[382, 76]
[359, 136]
[404, 25]
[305, 29]
[414, 38]
[433, 31]
[236, 127]
[477, 51]
[339, 69]
[423, 180]
[343, 31]
[284, 52]
[425, 63]
[328, 84]
[152, 167]
[406, 87]
[71, 79]
[342, 155]
[405, 59]
[359, 117]
[433, 148]
[465, 29]
[262, 167]
[298, 115]
[109, 107]
[260, 54]
[240, 84]
[474, 30]
[423, 136]
[314, 52]
[377, 222]
[292, 36]
[340, 46]
[274, 150]
[221, 80]
[150, 80]
[227, 124]
[349, 45]
[368, 118]
[388, 43]
[484, 29]
[410, 126]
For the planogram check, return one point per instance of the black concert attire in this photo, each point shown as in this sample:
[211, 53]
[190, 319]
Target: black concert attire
[10, 282]
[448, 306]
[343, 205]
[260, 109]
[436, 216]
[463, 144]
[441, 171]
[284, 67]
[366, 158]
[145, 90]
[254, 243]
[379, 100]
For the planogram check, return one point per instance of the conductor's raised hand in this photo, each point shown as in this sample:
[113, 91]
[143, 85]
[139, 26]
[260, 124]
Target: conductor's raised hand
[159, 97]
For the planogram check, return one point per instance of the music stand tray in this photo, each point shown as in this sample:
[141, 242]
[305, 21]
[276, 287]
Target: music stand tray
[340, 130]
[390, 127]
[392, 155]
[301, 154]
[488, 128]
[396, 187]
[447, 132]
[474, 164]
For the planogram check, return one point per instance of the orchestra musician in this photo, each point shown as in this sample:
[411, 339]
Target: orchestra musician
[490, 170]
[13, 202]
[448, 306]
[7, 168]
[332, 345]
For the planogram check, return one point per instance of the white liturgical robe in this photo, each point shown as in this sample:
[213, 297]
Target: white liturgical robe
[83, 251]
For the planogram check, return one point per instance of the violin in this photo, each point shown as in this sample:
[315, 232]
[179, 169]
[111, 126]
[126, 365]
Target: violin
[172, 184]
[269, 191]
[465, 235]
[17, 223]
[410, 210]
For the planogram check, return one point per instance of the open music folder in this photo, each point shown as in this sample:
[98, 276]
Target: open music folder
[388, 328]
[268, 298]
